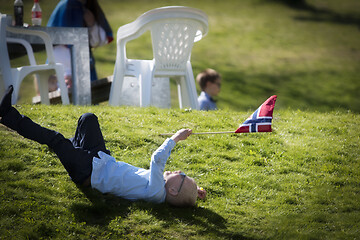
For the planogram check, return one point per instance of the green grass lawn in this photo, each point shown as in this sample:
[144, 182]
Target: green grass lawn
[299, 182]
[310, 57]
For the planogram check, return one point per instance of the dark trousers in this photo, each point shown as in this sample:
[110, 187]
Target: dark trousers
[76, 154]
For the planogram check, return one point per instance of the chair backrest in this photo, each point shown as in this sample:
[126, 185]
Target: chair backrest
[172, 43]
[173, 30]
[173, 33]
[5, 67]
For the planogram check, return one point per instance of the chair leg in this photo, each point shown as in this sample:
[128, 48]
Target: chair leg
[62, 85]
[191, 88]
[178, 86]
[182, 94]
[191, 94]
[187, 93]
[116, 87]
[187, 90]
[145, 80]
[43, 86]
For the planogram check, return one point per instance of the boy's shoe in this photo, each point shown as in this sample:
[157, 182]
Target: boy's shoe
[5, 104]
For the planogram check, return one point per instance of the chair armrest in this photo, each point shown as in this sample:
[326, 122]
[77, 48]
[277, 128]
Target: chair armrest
[136, 28]
[43, 35]
[27, 46]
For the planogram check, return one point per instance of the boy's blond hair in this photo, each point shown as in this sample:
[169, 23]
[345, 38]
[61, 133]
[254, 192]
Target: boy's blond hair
[186, 197]
[208, 75]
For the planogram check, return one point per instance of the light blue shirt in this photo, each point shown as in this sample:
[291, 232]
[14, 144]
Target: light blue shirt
[205, 102]
[129, 182]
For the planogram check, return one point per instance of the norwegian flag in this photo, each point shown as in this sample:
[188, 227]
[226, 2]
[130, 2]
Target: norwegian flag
[260, 120]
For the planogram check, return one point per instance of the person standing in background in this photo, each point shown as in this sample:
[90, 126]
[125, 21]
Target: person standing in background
[79, 13]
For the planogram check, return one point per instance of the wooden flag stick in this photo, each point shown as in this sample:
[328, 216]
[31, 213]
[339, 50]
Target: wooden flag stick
[169, 134]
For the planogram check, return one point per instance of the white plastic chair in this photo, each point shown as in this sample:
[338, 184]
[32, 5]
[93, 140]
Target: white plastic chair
[173, 31]
[14, 76]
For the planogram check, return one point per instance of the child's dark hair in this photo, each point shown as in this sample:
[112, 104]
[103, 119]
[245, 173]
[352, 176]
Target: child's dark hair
[208, 75]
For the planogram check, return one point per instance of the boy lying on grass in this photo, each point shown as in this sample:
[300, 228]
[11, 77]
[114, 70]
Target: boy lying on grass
[89, 163]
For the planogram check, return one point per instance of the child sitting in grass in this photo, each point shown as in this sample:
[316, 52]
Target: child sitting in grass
[88, 162]
[209, 81]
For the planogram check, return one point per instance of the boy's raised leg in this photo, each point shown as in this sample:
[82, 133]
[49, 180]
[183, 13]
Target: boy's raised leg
[5, 104]
[77, 161]
[88, 135]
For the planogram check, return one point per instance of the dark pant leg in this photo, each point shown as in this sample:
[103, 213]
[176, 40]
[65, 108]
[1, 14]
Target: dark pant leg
[88, 135]
[77, 162]
[93, 73]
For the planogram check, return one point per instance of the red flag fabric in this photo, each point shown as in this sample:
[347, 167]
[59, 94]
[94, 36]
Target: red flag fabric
[260, 120]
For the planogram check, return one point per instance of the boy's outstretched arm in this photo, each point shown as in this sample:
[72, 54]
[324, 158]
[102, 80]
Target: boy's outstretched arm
[181, 135]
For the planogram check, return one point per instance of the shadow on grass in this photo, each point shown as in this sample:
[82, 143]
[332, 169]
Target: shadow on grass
[320, 14]
[104, 208]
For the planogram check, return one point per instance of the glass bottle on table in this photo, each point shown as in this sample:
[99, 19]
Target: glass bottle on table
[19, 12]
[36, 14]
